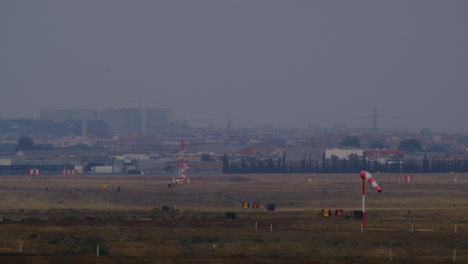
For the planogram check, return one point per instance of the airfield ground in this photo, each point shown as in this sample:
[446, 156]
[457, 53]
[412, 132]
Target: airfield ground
[63, 219]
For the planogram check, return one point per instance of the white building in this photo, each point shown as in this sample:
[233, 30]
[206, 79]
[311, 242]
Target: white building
[342, 153]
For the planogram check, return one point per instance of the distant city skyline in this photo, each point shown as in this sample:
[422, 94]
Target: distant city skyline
[103, 114]
[267, 62]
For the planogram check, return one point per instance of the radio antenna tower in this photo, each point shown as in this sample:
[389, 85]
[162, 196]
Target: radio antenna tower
[374, 122]
[182, 174]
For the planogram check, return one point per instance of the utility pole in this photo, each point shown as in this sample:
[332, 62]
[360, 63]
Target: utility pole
[374, 123]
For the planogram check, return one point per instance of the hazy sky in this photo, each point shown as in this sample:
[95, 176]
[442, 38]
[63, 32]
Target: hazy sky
[282, 63]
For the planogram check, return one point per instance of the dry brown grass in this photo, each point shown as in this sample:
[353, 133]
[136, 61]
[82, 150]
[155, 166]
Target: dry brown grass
[68, 215]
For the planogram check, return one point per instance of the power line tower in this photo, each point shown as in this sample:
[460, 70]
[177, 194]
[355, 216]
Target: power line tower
[229, 125]
[374, 122]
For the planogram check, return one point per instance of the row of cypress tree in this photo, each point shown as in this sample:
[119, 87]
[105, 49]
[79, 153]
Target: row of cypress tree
[252, 165]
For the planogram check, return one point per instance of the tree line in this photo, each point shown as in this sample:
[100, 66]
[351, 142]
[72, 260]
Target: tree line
[252, 165]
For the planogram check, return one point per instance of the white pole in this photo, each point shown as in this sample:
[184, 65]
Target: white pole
[97, 250]
[454, 254]
[271, 227]
[390, 254]
[363, 221]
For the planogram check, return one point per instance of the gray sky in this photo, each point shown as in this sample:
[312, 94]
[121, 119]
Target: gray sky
[282, 63]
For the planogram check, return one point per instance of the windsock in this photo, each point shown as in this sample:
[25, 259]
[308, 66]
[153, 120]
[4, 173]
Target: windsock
[366, 175]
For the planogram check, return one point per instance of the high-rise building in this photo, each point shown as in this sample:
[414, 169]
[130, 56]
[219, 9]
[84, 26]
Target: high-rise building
[137, 120]
[60, 128]
[120, 121]
[124, 120]
[158, 119]
[61, 122]
[68, 114]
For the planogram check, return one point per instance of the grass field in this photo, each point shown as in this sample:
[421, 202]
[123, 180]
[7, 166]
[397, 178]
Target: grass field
[57, 219]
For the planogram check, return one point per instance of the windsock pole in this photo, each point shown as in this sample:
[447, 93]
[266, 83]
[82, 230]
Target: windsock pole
[363, 223]
[366, 176]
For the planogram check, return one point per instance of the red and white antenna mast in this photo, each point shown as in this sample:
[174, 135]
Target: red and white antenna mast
[182, 174]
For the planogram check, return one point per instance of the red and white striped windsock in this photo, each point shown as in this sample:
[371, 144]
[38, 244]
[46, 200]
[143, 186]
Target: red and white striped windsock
[366, 175]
